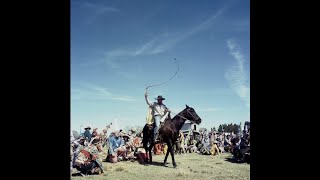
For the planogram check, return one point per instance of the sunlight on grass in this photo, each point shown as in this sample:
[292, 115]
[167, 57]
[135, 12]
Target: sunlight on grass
[190, 166]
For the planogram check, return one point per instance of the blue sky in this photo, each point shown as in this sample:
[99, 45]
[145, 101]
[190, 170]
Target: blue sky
[118, 47]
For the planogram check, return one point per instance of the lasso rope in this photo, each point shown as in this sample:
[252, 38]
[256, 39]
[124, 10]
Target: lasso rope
[168, 79]
[166, 82]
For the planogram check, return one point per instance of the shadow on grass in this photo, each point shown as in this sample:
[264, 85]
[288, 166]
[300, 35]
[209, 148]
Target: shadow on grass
[154, 163]
[76, 174]
[82, 175]
[234, 160]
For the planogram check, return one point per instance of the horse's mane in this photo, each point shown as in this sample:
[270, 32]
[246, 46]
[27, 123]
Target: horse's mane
[176, 116]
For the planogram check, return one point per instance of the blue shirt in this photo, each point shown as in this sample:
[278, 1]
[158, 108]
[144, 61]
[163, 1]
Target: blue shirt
[114, 143]
[87, 134]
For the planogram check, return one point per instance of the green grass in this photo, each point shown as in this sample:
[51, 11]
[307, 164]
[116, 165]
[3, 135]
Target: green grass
[190, 166]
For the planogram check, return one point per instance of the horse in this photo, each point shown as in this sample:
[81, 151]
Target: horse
[168, 132]
[148, 138]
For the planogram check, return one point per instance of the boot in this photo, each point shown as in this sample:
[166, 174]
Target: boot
[156, 138]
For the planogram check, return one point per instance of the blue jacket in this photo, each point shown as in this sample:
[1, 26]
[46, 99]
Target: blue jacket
[114, 143]
[87, 134]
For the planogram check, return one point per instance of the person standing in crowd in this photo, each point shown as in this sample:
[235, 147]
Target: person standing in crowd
[87, 135]
[181, 142]
[214, 150]
[213, 137]
[94, 133]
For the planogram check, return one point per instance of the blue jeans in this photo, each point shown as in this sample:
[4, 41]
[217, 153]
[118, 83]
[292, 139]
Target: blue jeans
[156, 125]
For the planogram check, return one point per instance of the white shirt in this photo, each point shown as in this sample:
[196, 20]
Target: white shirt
[157, 108]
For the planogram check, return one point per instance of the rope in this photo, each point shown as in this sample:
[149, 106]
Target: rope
[167, 80]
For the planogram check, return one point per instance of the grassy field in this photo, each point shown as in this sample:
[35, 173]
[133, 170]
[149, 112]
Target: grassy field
[190, 166]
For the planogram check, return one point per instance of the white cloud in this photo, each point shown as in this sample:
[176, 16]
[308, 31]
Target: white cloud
[236, 75]
[158, 44]
[123, 98]
[95, 10]
[93, 92]
[144, 48]
[101, 90]
[171, 40]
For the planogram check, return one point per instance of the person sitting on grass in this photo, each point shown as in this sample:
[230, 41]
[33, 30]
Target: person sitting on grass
[88, 161]
[117, 148]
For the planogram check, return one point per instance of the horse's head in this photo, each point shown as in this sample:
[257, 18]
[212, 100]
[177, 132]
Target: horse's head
[192, 115]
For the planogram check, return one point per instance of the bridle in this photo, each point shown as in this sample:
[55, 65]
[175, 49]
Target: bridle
[185, 117]
[190, 114]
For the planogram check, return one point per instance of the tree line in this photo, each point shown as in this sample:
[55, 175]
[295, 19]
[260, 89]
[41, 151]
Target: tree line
[235, 128]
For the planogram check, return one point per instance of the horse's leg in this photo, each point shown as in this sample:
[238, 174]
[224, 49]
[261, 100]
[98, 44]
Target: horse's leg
[150, 152]
[145, 146]
[172, 156]
[168, 150]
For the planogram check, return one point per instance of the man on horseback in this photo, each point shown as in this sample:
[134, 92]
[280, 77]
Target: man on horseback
[158, 112]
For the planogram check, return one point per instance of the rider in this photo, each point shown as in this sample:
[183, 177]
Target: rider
[157, 112]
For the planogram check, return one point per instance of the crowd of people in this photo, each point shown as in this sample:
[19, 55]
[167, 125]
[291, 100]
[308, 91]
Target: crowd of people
[214, 143]
[90, 148]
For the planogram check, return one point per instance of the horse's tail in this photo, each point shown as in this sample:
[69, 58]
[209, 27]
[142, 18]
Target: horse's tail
[146, 133]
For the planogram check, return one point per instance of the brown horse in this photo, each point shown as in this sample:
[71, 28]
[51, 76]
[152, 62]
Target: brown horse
[148, 138]
[169, 132]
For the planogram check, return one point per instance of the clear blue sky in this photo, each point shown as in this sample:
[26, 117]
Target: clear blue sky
[120, 46]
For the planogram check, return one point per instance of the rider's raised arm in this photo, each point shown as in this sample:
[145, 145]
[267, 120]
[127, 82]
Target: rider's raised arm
[146, 97]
